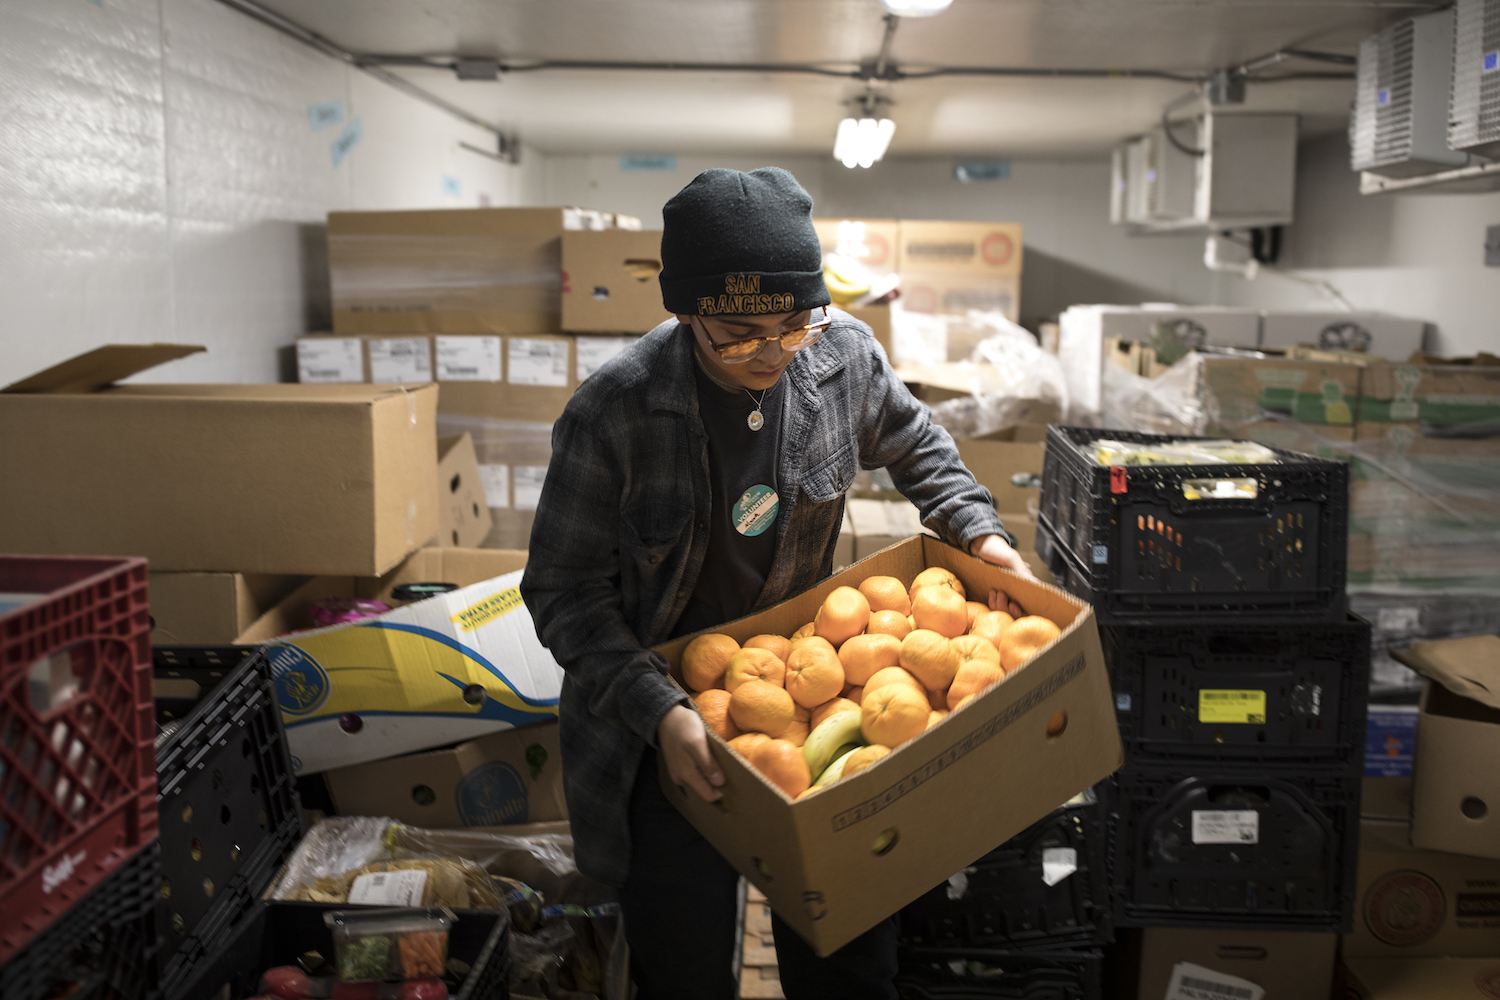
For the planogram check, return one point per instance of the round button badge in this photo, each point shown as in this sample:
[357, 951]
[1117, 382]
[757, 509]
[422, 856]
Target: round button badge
[755, 510]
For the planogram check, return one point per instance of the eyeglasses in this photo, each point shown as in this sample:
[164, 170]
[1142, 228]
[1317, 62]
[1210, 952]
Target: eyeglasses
[739, 351]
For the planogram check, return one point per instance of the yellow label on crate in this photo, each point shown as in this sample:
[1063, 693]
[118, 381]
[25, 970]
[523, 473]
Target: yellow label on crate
[487, 610]
[1231, 706]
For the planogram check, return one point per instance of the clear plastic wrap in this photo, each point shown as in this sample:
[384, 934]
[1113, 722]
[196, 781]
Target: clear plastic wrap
[1007, 375]
[1173, 403]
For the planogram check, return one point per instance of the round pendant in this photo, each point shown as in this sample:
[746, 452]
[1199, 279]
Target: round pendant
[755, 420]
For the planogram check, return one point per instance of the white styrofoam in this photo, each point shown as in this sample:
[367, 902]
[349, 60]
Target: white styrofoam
[1383, 336]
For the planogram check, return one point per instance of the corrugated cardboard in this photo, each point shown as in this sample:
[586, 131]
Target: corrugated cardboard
[870, 241]
[1413, 902]
[981, 248]
[1323, 440]
[463, 515]
[1456, 801]
[836, 863]
[878, 524]
[289, 479]
[1288, 965]
[843, 552]
[1391, 337]
[211, 609]
[609, 281]
[505, 778]
[956, 292]
[1313, 392]
[1432, 394]
[1421, 979]
[1008, 463]
[878, 319]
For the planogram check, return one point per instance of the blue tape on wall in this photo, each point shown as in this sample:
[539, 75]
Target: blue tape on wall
[347, 140]
[648, 161]
[321, 116]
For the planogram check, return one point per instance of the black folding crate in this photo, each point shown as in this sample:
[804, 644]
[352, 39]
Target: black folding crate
[1242, 690]
[1157, 541]
[1000, 974]
[1003, 899]
[229, 810]
[277, 933]
[102, 948]
[1233, 847]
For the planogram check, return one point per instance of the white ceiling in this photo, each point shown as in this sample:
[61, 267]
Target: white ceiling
[637, 111]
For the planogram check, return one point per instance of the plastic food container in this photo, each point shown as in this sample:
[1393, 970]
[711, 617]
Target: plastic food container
[376, 945]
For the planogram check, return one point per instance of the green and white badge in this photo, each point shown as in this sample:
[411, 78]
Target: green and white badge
[755, 511]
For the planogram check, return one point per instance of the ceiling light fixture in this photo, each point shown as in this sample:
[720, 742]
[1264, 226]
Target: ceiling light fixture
[916, 8]
[862, 141]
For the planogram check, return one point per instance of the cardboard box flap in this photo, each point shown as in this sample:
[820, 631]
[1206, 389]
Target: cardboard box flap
[101, 367]
[1469, 667]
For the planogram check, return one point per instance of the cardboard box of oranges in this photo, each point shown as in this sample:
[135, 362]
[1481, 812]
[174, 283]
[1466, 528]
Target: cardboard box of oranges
[962, 742]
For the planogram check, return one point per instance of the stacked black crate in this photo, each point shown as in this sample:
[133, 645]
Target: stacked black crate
[1240, 678]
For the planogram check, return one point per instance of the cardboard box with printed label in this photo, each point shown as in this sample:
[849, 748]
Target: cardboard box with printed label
[1312, 392]
[1418, 903]
[836, 863]
[1377, 334]
[1456, 804]
[276, 479]
[609, 281]
[1421, 979]
[978, 248]
[212, 609]
[463, 513]
[513, 776]
[1322, 440]
[956, 292]
[1235, 965]
[1008, 463]
[1440, 395]
[872, 242]
[1428, 458]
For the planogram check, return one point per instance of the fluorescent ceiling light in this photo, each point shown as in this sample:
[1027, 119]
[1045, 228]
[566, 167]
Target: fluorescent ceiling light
[861, 142]
[916, 8]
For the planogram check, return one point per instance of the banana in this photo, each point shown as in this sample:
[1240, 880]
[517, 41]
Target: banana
[835, 771]
[825, 741]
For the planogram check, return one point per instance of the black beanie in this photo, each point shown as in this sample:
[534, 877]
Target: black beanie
[741, 245]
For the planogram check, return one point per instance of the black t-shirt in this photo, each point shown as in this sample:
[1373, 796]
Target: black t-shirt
[742, 476]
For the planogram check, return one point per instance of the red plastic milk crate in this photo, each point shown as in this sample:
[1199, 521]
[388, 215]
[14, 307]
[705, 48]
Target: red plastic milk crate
[77, 733]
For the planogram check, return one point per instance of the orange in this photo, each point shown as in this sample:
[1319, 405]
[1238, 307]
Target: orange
[813, 675]
[865, 654]
[758, 707]
[935, 716]
[962, 702]
[844, 614]
[800, 714]
[782, 764]
[797, 733]
[941, 610]
[1025, 639]
[886, 593]
[893, 715]
[832, 706]
[978, 668]
[863, 758]
[745, 743]
[991, 625]
[753, 665]
[704, 660]
[936, 696]
[975, 609]
[891, 675]
[812, 640]
[778, 644]
[930, 658]
[713, 705]
[935, 576]
[889, 623]
[805, 630]
[856, 694]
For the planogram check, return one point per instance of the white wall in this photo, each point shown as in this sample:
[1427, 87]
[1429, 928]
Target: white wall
[1072, 253]
[160, 181]
[1418, 254]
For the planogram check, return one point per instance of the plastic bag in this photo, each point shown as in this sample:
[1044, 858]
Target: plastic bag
[1008, 374]
[1173, 403]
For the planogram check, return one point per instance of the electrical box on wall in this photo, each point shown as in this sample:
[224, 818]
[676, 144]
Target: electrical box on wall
[1474, 101]
[1400, 122]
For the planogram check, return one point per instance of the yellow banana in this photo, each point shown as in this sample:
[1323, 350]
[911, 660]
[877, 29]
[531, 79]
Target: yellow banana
[833, 772]
[824, 742]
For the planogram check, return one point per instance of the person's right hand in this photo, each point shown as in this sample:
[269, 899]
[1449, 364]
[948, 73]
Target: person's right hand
[684, 746]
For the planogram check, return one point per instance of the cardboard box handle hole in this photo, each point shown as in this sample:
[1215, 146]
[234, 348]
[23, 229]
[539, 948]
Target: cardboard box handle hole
[423, 795]
[1474, 808]
[886, 842]
[1057, 724]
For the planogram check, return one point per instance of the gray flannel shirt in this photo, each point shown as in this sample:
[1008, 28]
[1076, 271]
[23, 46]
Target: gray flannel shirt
[622, 527]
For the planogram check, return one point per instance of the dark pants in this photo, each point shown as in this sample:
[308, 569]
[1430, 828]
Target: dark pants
[679, 905]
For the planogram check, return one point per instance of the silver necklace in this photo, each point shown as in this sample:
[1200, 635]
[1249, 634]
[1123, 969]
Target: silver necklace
[756, 420]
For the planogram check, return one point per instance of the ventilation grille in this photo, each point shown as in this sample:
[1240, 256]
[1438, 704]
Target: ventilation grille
[1381, 127]
[1474, 111]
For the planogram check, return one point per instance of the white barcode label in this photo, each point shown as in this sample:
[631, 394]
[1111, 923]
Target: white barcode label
[329, 359]
[468, 359]
[537, 362]
[528, 485]
[402, 359]
[1058, 863]
[593, 352]
[1226, 826]
[403, 888]
[495, 479]
[1194, 982]
[1399, 621]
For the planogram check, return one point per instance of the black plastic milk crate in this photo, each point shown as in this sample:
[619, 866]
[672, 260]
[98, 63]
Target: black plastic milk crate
[1240, 690]
[1004, 901]
[229, 810]
[277, 933]
[1000, 974]
[1233, 848]
[102, 948]
[1137, 546]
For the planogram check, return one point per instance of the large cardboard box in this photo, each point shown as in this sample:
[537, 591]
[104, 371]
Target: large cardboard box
[870, 241]
[1322, 440]
[1312, 392]
[609, 281]
[287, 479]
[513, 776]
[1456, 804]
[1438, 394]
[878, 524]
[956, 292]
[1451, 467]
[472, 270]
[463, 513]
[1417, 903]
[1008, 463]
[1421, 978]
[1286, 965]
[836, 863]
[1378, 334]
[211, 609]
[878, 319]
[976, 248]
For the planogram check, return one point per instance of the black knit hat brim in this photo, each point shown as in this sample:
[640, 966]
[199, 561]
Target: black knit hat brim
[745, 294]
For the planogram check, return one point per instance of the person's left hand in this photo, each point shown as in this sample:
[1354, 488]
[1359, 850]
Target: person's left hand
[994, 549]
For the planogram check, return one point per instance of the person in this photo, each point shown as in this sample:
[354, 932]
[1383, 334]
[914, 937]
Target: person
[696, 478]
